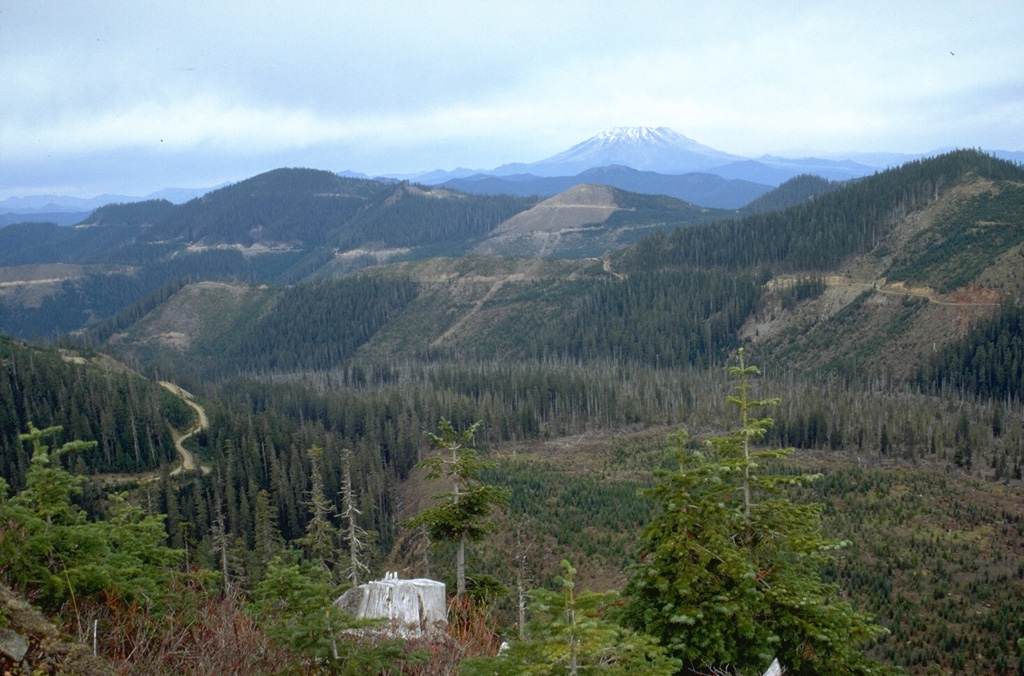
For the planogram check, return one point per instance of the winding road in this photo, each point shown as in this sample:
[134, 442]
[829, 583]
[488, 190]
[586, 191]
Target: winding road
[188, 459]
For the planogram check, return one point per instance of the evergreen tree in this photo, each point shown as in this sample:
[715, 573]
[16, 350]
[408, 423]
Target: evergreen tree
[294, 603]
[461, 515]
[571, 634]
[320, 532]
[267, 540]
[730, 569]
[50, 550]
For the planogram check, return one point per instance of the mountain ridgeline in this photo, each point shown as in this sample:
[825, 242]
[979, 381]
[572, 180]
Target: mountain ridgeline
[306, 310]
[281, 227]
[820, 234]
[691, 296]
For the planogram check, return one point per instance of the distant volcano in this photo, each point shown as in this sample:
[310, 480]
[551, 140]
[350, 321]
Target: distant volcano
[648, 149]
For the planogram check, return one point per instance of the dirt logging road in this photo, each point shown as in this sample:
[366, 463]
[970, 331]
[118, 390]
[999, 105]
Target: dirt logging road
[188, 459]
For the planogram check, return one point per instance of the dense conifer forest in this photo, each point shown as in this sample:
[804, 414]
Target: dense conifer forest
[127, 416]
[906, 443]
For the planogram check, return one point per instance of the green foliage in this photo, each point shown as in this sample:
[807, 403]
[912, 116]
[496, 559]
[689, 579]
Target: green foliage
[794, 191]
[319, 540]
[126, 415]
[805, 288]
[730, 568]
[49, 550]
[639, 209]
[319, 208]
[294, 603]
[131, 214]
[409, 215]
[309, 214]
[589, 514]
[659, 317]
[462, 515]
[571, 633]
[934, 557]
[964, 240]
[317, 326]
[821, 233]
[135, 562]
[988, 361]
[100, 332]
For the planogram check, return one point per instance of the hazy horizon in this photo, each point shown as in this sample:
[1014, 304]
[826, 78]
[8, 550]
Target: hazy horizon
[129, 98]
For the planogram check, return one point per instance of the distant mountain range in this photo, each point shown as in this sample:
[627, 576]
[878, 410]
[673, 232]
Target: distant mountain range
[704, 189]
[654, 161]
[664, 151]
[661, 161]
[67, 210]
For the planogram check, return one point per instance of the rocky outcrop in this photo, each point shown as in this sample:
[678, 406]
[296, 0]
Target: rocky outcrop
[30, 644]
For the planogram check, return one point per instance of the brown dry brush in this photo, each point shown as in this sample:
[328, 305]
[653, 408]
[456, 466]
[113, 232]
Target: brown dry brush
[203, 633]
[200, 634]
[470, 634]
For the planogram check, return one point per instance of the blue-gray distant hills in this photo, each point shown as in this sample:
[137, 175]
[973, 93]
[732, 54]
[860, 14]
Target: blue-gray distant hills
[661, 161]
[664, 151]
[654, 161]
[645, 160]
[704, 189]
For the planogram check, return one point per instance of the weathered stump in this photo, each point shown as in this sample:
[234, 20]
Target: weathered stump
[413, 608]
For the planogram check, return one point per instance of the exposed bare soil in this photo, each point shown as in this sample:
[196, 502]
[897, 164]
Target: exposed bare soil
[946, 317]
[187, 458]
[573, 208]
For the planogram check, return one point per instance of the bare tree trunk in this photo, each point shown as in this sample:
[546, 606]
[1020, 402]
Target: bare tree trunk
[521, 556]
[460, 568]
[460, 562]
[353, 534]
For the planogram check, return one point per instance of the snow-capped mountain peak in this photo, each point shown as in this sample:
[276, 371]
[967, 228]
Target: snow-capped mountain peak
[662, 135]
[633, 134]
[645, 148]
[656, 136]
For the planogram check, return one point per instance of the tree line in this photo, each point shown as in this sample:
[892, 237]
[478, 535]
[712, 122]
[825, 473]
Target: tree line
[125, 415]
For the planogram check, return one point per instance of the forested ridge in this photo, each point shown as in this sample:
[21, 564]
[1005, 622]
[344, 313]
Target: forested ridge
[126, 415]
[576, 372]
[819, 234]
[794, 191]
[320, 325]
[298, 220]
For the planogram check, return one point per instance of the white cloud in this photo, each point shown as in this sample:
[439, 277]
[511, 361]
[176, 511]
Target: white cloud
[402, 86]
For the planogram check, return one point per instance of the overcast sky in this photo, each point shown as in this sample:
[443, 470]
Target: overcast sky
[131, 96]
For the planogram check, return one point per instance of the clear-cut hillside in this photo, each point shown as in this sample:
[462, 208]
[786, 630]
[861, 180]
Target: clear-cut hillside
[579, 206]
[590, 220]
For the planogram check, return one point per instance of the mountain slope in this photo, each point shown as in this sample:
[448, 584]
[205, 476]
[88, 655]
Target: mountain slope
[813, 285]
[93, 398]
[590, 219]
[702, 189]
[935, 272]
[794, 191]
[282, 227]
[649, 149]
[865, 275]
